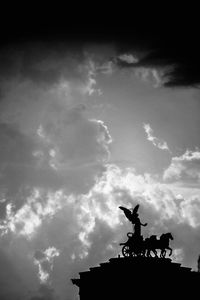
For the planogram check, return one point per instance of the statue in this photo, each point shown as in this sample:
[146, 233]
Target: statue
[133, 217]
[151, 244]
[136, 245]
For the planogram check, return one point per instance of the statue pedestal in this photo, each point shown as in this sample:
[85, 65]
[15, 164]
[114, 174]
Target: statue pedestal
[137, 278]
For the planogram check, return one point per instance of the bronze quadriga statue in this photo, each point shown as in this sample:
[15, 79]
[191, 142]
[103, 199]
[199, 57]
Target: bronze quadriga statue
[136, 245]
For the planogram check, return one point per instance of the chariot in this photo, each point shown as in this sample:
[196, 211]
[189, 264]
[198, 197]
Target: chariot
[136, 246]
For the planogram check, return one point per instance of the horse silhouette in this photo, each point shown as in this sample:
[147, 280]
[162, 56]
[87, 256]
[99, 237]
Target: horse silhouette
[152, 244]
[135, 246]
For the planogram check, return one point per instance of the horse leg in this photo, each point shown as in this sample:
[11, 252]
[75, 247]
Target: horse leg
[143, 252]
[170, 249]
[162, 253]
[149, 253]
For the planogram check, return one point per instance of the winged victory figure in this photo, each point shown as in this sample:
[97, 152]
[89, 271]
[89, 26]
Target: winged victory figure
[133, 216]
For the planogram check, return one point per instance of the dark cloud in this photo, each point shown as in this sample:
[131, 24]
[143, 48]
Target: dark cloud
[168, 41]
[176, 50]
[165, 42]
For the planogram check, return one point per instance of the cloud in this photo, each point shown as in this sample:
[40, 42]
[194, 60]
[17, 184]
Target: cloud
[150, 75]
[51, 153]
[154, 76]
[161, 51]
[191, 210]
[93, 226]
[177, 61]
[162, 145]
[184, 168]
[43, 63]
[178, 255]
[96, 66]
[168, 51]
[29, 217]
[46, 64]
[118, 187]
[128, 58]
[99, 215]
[44, 261]
[48, 141]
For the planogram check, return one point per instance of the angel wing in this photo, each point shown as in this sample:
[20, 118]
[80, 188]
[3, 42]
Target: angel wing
[127, 213]
[135, 209]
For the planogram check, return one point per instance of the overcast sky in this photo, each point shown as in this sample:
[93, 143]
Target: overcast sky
[87, 126]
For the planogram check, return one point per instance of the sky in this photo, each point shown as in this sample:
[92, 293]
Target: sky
[87, 125]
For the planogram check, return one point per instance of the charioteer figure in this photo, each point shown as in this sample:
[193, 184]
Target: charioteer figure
[133, 217]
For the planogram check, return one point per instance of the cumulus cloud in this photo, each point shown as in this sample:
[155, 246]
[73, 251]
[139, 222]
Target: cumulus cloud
[29, 217]
[92, 224]
[155, 141]
[159, 206]
[184, 167]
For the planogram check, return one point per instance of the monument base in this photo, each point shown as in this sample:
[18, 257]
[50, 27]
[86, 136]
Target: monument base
[137, 278]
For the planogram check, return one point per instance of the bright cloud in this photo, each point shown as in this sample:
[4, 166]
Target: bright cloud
[44, 261]
[155, 141]
[124, 187]
[178, 255]
[129, 58]
[184, 167]
[30, 216]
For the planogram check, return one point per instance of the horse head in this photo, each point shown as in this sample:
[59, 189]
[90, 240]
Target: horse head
[167, 236]
[170, 236]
